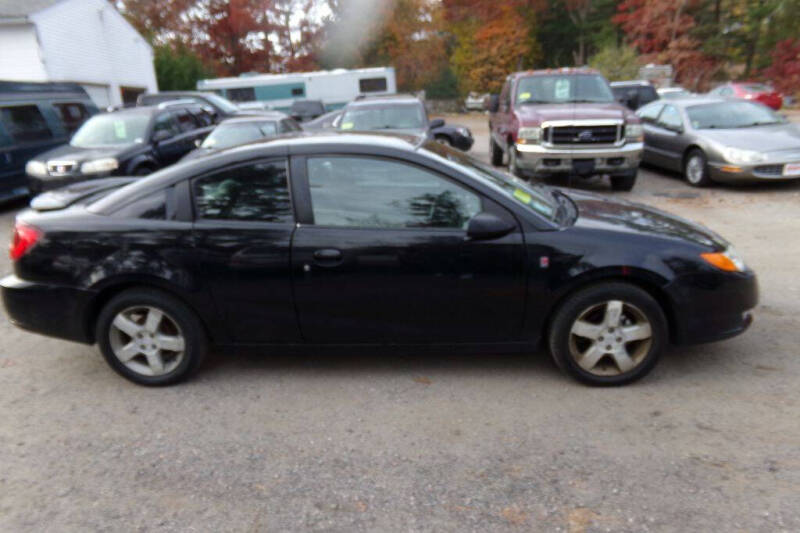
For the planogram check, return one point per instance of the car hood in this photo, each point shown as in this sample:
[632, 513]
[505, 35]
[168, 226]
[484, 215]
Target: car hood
[67, 152]
[535, 114]
[600, 213]
[774, 138]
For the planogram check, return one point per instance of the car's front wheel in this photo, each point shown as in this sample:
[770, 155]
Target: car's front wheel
[513, 162]
[495, 152]
[695, 168]
[608, 334]
[623, 182]
[150, 337]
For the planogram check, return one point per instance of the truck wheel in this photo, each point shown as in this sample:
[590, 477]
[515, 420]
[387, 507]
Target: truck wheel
[496, 152]
[513, 166]
[624, 182]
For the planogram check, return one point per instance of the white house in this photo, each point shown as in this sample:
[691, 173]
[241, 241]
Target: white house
[83, 41]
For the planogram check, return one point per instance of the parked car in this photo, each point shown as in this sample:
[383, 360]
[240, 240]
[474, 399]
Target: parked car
[758, 92]
[254, 106]
[564, 121]
[305, 110]
[674, 93]
[369, 240]
[240, 130]
[634, 94]
[714, 139]
[328, 121]
[405, 114]
[134, 141]
[475, 101]
[222, 107]
[35, 117]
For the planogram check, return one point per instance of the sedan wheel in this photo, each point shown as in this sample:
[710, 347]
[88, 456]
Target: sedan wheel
[608, 334]
[695, 169]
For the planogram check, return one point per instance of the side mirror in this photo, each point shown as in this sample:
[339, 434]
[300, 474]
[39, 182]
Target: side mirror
[485, 226]
[493, 103]
[436, 123]
[161, 135]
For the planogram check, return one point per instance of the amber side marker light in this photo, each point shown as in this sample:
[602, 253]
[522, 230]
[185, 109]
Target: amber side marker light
[731, 168]
[721, 261]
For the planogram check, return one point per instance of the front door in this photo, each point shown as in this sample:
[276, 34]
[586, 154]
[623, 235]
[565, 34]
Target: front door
[386, 259]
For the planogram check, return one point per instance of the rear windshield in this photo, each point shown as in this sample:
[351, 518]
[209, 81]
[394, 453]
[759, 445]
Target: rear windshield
[561, 88]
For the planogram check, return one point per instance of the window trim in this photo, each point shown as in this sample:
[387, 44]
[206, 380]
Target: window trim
[308, 214]
[192, 208]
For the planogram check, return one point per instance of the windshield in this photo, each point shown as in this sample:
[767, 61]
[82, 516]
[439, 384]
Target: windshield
[562, 89]
[226, 135]
[538, 198]
[393, 117]
[731, 115]
[222, 103]
[112, 129]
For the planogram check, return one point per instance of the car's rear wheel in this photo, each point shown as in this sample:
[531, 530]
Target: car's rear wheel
[695, 168]
[150, 337]
[496, 152]
[608, 334]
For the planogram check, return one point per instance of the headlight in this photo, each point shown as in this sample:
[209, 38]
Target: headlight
[36, 168]
[529, 135]
[464, 131]
[634, 133]
[100, 165]
[736, 155]
[729, 260]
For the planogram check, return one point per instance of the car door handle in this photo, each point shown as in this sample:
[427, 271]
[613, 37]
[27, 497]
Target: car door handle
[328, 255]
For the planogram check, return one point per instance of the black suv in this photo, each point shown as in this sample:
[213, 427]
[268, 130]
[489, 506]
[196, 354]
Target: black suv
[222, 107]
[134, 141]
[634, 94]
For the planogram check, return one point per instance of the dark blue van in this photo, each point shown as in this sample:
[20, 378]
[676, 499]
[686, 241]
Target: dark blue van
[35, 117]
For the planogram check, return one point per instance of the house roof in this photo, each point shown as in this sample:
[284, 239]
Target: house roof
[23, 8]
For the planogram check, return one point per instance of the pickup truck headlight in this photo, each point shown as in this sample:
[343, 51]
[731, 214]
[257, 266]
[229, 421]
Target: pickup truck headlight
[634, 133]
[736, 155]
[106, 164]
[35, 168]
[529, 135]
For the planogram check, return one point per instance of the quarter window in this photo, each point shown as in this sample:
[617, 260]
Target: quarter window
[376, 193]
[256, 191]
[153, 207]
[25, 123]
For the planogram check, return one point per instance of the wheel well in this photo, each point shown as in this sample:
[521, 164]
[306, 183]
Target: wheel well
[686, 154]
[106, 294]
[649, 287]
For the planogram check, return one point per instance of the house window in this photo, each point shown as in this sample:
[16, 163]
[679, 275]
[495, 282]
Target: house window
[372, 85]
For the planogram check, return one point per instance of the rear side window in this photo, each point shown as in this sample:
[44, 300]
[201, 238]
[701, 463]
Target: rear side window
[151, 207]
[73, 114]
[25, 123]
[255, 192]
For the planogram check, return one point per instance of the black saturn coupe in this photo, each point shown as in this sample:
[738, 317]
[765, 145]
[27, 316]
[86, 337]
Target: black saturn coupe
[375, 241]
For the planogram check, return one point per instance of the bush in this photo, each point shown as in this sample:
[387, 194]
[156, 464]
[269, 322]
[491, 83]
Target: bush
[616, 62]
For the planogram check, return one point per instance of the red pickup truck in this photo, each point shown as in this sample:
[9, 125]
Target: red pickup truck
[564, 121]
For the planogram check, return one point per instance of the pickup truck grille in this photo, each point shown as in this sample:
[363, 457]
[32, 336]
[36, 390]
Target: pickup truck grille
[596, 134]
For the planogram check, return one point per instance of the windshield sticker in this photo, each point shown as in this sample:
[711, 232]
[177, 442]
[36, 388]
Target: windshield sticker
[347, 125]
[522, 196]
[562, 89]
[524, 96]
[119, 129]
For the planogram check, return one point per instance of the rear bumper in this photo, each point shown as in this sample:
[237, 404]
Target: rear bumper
[52, 310]
[712, 306]
[542, 159]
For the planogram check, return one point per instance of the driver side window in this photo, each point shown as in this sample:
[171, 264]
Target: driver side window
[166, 122]
[670, 118]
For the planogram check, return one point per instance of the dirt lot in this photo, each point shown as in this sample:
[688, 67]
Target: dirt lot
[710, 441]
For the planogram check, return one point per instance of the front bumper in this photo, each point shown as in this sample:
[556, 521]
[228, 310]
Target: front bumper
[711, 306]
[543, 159]
[763, 172]
[53, 310]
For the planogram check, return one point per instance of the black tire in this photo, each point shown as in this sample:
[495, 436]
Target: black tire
[606, 371]
[699, 177]
[142, 171]
[194, 337]
[624, 182]
[496, 152]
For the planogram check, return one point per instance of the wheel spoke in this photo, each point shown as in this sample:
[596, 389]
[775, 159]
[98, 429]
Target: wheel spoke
[155, 362]
[128, 352]
[126, 325]
[153, 320]
[623, 360]
[169, 342]
[587, 330]
[613, 313]
[590, 357]
[637, 332]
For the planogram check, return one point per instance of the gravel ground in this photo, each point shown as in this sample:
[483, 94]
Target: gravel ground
[710, 441]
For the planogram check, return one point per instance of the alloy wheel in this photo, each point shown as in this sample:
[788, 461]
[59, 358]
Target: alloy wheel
[695, 168]
[610, 338]
[147, 340]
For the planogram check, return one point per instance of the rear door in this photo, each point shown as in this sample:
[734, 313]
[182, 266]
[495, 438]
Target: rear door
[381, 256]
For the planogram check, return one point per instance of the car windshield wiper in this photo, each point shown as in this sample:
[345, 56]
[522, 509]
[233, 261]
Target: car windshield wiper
[761, 123]
[587, 101]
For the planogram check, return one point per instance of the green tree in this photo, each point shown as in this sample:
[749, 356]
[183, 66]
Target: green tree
[178, 68]
[616, 62]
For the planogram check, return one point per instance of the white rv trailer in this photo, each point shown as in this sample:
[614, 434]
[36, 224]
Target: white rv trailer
[334, 87]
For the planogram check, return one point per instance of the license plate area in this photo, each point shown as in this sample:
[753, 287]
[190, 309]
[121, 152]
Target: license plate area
[583, 167]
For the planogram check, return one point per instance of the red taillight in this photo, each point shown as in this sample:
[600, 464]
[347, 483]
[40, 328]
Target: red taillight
[23, 240]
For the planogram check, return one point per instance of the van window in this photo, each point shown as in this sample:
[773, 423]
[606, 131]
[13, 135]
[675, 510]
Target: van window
[73, 114]
[372, 85]
[25, 123]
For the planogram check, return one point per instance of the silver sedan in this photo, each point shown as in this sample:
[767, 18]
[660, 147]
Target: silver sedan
[719, 140]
